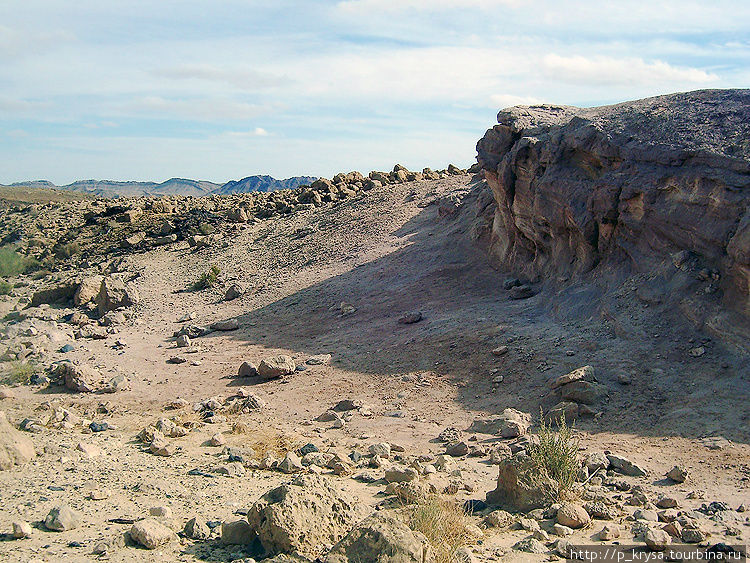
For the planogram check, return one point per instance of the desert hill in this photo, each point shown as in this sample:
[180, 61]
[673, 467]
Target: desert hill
[368, 364]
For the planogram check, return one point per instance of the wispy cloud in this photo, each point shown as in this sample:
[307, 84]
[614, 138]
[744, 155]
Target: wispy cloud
[612, 71]
[242, 78]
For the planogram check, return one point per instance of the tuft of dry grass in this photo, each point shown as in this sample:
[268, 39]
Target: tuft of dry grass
[267, 441]
[554, 454]
[19, 373]
[443, 522]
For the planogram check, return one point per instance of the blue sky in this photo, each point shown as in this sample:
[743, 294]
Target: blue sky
[218, 90]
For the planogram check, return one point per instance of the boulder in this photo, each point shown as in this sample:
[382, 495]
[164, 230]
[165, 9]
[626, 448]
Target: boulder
[678, 474]
[197, 529]
[516, 489]
[78, 378]
[586, 373]
[276, 366]
[657, 540]
[115, 293]
[59, 293]
[151, 534]
[625, 466]
[514, 423]
[302, 516]
[15, 447]
[238, 532]
[247, 369]
[573, 516]
[87, 290]
[381, 538]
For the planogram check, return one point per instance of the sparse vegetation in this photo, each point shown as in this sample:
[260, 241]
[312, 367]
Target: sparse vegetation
[12, 263]
[5, 287]
[443, 522]
[271, 441]
[554, 454]
[206, 228]
[19, 373]
[207, 278]
[67, 250]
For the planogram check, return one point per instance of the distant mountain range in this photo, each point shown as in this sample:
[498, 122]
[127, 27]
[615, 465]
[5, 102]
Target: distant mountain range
[173, 186]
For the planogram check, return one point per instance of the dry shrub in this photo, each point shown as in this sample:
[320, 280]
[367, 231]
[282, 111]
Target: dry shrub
[443, 522]
[270, 441]
[19, 373]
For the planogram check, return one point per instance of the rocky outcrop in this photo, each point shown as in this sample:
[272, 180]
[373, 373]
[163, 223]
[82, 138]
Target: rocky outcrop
[15, 448]
[655, 185]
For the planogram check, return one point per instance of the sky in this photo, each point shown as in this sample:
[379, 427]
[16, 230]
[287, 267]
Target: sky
[219, 90]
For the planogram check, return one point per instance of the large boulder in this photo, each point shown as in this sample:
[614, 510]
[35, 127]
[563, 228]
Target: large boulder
[115, 293]
[276, 366]
[15, 447]
[657, 186]
[61, 292]
[302, 516]
[381, 538]
[519, 486]
[78, 378]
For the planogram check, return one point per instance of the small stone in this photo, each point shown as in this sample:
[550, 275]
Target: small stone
[692, 535]
[499, 519]
[97, 427]
[678, 474]
[177, 360]
[625, 466]
[183, 341]
[319, 360]
[160, 511]
[562, 531]
[609, 532]
[500, 351]
[238, 532]
[234, 291]
[382, 450]
[21, 530]
[458, 449]
[573, 516]
[530, 545]
[410, 318]
[667, 502]
[291, 464]
[62, 518]
[401, 474]
[647, 515]
[88, 450]
[151, 533]
[226, 325]
[247, 370]
[197, 529]
[276, 366]
[657, 540]
[585, 373]
[217, 439]
[162, 448]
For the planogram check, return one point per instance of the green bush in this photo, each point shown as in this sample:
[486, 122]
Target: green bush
[554, 454]
[13, 264]
[207, 279]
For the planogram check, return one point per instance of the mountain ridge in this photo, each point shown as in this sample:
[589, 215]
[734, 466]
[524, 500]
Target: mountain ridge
[172, 186]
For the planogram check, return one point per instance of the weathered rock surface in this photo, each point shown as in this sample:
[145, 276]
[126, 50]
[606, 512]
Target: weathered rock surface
[657, 186]
[15, 447]
[303, 515]
[115, 293]
[276, 366]
[150, 533]
[381, 537]
[514, 488]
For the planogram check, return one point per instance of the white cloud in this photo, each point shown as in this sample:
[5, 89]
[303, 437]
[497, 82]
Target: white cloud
[200, 109]
[257, 132]
[613, 71]
[508, 100]
[243, 78]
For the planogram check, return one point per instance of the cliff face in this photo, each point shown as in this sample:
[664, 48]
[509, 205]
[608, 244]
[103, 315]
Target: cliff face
[647, 186]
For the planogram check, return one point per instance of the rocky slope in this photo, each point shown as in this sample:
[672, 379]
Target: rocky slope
[657, 186]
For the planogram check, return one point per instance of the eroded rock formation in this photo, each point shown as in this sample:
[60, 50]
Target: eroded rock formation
[647, 186]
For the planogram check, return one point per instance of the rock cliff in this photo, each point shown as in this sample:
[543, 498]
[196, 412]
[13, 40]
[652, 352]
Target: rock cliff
[654, 186]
